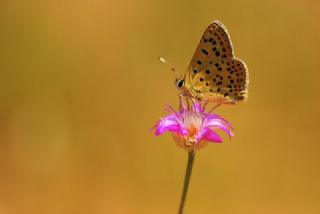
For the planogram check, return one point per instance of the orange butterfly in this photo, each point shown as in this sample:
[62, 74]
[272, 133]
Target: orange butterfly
[214, 74]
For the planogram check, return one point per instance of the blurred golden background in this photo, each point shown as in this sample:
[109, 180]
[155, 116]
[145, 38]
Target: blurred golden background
[80, 85]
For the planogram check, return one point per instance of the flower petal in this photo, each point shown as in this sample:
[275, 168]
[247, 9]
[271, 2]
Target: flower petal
[197, 107]
[169, 123]
[219, 124]
[211, 136]
[215, 116]
[169, 109]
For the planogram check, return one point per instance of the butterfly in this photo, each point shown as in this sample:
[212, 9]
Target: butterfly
[214, 74]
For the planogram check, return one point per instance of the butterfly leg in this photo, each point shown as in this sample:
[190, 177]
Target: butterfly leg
[183, 102]
[180, 102]
[192, 102]
[205, 103]
[214, 107]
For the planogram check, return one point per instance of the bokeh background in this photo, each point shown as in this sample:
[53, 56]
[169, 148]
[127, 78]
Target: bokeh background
[80, 85]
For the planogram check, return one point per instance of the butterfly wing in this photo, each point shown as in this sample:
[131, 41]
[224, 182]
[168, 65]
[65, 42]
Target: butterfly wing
[224, 82]
[213, 71]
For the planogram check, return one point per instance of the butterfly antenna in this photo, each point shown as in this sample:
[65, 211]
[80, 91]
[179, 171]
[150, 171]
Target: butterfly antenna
[170, 66]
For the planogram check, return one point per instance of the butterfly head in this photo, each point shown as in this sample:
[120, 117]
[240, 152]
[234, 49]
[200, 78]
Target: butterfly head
[184, 88]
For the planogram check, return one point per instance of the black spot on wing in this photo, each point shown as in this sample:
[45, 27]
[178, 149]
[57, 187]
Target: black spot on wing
[204, 52]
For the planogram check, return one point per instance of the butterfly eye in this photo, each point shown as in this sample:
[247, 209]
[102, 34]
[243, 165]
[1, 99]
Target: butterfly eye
[180, 83]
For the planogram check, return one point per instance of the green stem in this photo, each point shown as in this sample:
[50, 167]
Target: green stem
[187, 177]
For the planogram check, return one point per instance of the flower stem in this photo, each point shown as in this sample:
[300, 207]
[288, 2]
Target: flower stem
[187, 177]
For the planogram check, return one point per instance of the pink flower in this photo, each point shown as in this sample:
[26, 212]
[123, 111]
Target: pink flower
[193, 128]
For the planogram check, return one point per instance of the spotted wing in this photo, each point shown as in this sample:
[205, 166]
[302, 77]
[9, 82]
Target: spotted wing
[225, 81]
[213, 68]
